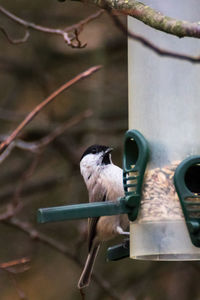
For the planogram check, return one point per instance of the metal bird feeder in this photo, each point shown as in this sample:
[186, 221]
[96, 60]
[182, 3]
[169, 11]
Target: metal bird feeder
[164, 105]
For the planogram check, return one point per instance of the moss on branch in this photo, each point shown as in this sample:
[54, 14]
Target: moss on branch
[152, 17]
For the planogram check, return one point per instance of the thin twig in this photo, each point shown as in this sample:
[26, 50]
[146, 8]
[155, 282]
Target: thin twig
[7, 152]
[44, 103]
[79, 26]
[78, 43]
[13, 263]
[15, 41]
[34, 26]
[149, 44]
[38, 145]
[69, 34]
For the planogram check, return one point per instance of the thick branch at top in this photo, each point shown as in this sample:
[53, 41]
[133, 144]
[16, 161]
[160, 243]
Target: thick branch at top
[152, 17]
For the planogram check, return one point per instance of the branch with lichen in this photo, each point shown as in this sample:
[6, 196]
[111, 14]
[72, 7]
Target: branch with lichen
[151, 17]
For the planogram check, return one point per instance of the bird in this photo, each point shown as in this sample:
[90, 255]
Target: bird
[104, 182]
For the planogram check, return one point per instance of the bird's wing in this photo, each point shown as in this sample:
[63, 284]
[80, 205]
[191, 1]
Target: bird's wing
[98, 194]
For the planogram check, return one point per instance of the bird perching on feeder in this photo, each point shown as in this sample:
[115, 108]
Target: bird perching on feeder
[134, 164]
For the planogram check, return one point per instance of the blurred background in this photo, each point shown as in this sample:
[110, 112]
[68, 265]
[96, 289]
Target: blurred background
[44, 261]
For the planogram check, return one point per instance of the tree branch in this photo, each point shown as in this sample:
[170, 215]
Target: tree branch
[149, 44]
[43, 104]
[152, 18]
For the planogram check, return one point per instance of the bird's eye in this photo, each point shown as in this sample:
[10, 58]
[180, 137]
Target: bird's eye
[94, 151]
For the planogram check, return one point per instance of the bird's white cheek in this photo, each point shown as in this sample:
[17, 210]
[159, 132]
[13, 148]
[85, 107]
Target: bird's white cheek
[89, 165]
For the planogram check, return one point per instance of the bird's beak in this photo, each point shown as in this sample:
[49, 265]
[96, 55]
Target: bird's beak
[106, 157]
[108, 150]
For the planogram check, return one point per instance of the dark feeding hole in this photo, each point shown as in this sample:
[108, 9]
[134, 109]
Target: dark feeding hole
[132, 153]
[192, 178]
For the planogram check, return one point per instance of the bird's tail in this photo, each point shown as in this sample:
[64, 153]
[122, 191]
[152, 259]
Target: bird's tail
[87, 271]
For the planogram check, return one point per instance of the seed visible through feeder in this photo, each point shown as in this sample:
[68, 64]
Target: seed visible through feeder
[159, 198]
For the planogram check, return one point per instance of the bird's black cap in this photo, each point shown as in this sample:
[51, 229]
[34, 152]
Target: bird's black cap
[96, 149]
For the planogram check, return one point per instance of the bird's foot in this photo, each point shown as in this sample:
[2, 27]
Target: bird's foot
[121, 231]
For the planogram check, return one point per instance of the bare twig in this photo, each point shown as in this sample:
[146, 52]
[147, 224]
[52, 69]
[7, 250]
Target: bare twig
[7, 152]
[149, 44]
[79, 26]
[58, 246]
[38, 145]
[43, 104]
[15, 41]
[69, 34]
[14, 263]
[34, 26]
[78, 43]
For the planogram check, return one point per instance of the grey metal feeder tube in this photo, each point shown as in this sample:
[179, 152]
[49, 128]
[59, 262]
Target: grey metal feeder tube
[164, 105]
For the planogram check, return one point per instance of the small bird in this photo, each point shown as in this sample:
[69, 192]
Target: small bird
[104, 182]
